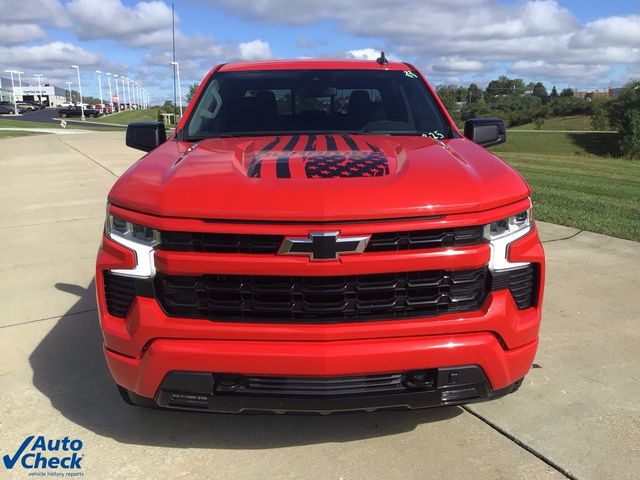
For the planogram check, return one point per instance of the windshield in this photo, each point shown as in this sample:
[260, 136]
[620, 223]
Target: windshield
[273, 102]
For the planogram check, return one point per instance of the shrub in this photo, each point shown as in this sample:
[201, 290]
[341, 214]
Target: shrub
[630, 136]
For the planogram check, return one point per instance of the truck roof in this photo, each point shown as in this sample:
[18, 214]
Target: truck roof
[333, 64]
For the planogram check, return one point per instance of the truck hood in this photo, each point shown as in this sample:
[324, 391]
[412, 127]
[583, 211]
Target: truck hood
[317, 178]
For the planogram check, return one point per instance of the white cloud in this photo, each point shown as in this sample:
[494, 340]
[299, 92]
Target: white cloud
[364, 54]
[52, 54]
[610, 31]
[566, 71]
[458, 64]
[112, 19]
[369, 54]
[20, 33]
[467, 37]
[305, 42]
[255, 50]
[50, 12]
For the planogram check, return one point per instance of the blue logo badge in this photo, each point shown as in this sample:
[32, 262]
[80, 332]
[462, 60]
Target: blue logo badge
[37, 452]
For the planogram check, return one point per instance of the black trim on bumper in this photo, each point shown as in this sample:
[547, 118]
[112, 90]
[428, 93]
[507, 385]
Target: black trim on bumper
[211, 392]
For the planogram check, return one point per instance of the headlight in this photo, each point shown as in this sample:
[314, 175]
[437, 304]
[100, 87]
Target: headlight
[119, 228]
[508, 226]
[138, 238]
[503, 233]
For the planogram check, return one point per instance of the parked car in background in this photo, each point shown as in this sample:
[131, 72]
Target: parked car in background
[65, 105]
[105, 108]
[27, 106]
[93, 111]
[75, 111]
[8, 107]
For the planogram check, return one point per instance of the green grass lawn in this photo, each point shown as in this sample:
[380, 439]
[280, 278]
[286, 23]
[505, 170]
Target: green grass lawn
[128, 116]
[574, 122]
[574, 183]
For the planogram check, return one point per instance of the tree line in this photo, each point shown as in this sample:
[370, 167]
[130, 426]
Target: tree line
[518, 103]
[622, 114]
[512, 100]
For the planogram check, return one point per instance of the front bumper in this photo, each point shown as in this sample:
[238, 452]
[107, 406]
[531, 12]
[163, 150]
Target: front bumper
[446, 386]
[144, 375]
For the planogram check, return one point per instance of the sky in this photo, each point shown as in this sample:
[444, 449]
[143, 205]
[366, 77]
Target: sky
[567, 43]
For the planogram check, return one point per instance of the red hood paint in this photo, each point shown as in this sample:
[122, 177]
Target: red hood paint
[216, 179]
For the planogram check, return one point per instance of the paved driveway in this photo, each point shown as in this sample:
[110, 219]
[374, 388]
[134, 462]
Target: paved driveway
[578, 416]
[50, 115]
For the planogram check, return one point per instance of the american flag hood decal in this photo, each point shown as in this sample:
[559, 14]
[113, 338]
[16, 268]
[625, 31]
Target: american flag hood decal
[318, 156]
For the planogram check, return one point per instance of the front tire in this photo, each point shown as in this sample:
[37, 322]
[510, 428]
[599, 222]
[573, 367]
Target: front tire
[63, 115]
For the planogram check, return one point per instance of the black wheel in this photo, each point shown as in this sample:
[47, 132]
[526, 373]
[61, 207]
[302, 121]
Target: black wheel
[92, 115]
[63, 115]
[136, 400]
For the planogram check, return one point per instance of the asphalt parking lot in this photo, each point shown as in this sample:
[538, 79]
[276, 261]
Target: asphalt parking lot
[48, 115]
[577, 416]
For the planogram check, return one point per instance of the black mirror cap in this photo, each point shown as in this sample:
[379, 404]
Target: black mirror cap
[146, 136]
[485, 131]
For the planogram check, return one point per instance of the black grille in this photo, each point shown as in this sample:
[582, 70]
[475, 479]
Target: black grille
[326, 386]
[284, 299]
[120, 292]
[521, 282]
[416, 239]
[257, 243]
[220, 242]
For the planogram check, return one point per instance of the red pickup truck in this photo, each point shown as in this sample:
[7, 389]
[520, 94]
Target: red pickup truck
[318, 236]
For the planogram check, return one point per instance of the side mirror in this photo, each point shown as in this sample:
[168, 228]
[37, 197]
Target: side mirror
[485, 131]
[146, 136]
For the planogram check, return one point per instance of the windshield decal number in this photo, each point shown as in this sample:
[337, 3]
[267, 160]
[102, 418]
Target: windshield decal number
[436, 135]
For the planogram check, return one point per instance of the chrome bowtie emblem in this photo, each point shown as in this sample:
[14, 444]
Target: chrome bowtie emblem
[323, 245]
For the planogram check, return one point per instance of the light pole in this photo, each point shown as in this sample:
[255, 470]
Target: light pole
[129, 93]
[117, 92]
[177, 67]
[79, 91]
[39, 76]
[13, 92]
[110, 95]
[100, 86]
[138, 95]
[124, 92]
[20, 83]
[70, 97]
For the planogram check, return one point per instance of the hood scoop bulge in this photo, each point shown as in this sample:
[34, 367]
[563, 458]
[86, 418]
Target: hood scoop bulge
[317, 156]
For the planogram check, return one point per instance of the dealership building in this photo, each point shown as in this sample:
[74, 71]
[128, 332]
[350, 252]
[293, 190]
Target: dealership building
[52, 96]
